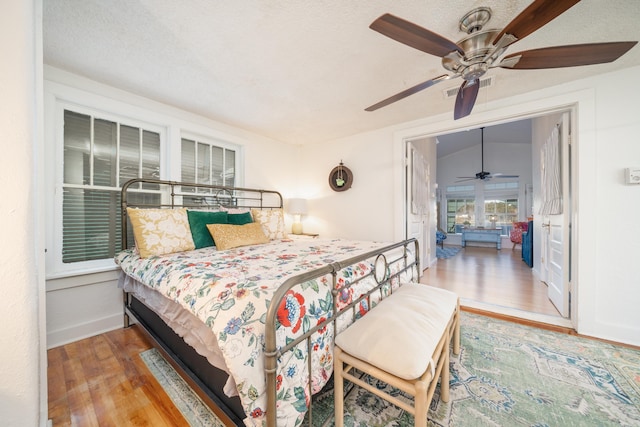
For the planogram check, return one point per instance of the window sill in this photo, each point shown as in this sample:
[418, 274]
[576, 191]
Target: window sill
[67, 280]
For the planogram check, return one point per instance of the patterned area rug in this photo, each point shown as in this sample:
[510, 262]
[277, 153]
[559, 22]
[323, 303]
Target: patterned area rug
[513, 375]
[506, 375]
[186, 400]
[446, 252]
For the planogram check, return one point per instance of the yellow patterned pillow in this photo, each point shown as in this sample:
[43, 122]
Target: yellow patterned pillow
[228, 236]
[272, 222]
[160, 231]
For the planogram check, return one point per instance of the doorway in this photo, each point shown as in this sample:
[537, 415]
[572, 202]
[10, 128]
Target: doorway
[542, 122]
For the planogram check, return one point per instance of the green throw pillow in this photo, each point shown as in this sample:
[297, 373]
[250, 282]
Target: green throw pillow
[198, 221]
[239, 219]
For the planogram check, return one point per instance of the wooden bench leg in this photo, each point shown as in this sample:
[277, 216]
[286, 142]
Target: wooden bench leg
[420, 404]
[338, 387]
[456, 332]
[445, 375]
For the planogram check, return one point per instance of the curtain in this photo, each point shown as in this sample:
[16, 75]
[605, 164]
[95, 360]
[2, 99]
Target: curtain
[551, 178]
[419, 184]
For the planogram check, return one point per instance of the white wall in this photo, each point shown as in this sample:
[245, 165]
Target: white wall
[89, 303]
[23, 358]
[362, 212]
[607, 282]
[509, 159]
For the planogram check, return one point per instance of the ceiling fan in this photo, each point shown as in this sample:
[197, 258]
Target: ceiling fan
[472, 56]
[483, 175]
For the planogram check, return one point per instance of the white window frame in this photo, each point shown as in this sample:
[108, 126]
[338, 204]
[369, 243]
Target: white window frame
[506, 190]
[217, 143]
[171, 129]
[55, 266]
[480, 194]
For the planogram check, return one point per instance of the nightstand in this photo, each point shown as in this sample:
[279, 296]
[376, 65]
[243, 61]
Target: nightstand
[304, 236]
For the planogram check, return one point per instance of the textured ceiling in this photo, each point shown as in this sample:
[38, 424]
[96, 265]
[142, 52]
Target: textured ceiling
[302, 71]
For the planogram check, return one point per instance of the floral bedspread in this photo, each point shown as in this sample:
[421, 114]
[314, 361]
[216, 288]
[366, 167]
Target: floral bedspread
[230, 291]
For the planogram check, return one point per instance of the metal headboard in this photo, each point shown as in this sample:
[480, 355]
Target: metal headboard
[174, 194]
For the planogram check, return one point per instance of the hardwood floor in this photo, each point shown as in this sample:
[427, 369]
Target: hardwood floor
[493, 277]
[102, 381]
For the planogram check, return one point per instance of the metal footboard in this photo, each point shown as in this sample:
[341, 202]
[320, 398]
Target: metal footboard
[406, 262]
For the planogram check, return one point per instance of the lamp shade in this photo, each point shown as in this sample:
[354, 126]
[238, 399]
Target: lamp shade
[297, 206]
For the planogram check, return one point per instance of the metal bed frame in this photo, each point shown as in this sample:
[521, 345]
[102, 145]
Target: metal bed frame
[401, 257]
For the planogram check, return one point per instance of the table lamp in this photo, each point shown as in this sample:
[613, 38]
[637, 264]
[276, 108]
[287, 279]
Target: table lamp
[297, 208]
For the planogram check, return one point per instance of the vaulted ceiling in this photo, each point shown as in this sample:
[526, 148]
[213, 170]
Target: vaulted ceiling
[302, 71]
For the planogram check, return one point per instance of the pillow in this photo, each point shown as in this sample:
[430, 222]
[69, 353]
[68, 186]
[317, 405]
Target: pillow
[160, 231]
[272, 222]
[198, 221]
[239, 218]
[237, 210]
[522, 225]
[228, 236]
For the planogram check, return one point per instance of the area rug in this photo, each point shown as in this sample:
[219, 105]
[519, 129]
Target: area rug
[446, 252]
[507, 375]
[513, 375]
[186, 400]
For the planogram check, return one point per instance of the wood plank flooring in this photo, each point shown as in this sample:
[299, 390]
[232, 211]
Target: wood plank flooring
[490, 276]
[102, 381]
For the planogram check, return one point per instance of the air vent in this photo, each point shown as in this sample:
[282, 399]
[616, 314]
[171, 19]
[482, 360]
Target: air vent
[453, 91]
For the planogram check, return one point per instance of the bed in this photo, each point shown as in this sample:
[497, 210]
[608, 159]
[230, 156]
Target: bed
[248, 321]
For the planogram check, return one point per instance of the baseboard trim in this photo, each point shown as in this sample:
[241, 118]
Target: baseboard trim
[84, 330]
[516, 313]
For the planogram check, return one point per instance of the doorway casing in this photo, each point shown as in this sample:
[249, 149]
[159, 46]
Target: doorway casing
[507, 111]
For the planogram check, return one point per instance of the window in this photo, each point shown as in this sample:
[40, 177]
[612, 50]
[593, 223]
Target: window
[99, 156]
[207, 163]
[501, 204]
[98, 145]
[460, 207]
[496, 203]
[502, 212]
[460, 213]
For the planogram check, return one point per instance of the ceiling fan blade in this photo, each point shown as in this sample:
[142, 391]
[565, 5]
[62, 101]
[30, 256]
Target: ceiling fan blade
[407, 92]
[414, 35]
[501, 175]
[539, 13]
[567, 56]
[466, 98]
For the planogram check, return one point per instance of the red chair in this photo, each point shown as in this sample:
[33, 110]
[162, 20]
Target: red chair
[516, 233]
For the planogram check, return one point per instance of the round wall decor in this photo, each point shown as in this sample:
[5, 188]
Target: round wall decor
[340, 178]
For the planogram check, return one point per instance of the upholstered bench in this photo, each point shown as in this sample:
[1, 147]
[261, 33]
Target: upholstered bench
[403, 341]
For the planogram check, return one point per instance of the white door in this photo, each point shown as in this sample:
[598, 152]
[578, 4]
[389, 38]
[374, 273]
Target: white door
[555, 238]
[416, 202]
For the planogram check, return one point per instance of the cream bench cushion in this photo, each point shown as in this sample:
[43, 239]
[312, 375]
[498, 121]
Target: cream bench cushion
[401, 333]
